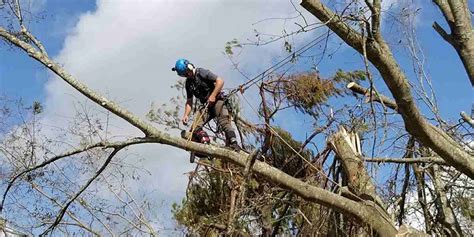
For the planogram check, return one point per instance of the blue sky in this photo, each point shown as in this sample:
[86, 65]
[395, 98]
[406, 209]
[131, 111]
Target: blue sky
[91, 44]
[19, 75]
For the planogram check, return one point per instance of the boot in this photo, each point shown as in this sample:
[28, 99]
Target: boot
[234, 145]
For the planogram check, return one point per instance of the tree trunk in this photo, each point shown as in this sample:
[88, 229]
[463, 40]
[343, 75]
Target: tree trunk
[458, 16]
[347, 147]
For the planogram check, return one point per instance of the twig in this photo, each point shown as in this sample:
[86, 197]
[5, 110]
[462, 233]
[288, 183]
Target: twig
[64, 209]
[70, 153]
[434, 159]
[55, 201]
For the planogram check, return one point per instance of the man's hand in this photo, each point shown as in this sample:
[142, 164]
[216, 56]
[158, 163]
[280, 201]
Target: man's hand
[211, 100]
[184, 120]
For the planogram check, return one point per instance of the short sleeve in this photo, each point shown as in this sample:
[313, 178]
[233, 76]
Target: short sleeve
[208, 75]
[187, 86]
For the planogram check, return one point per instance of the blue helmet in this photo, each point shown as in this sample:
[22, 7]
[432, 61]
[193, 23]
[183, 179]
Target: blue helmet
[181, 66]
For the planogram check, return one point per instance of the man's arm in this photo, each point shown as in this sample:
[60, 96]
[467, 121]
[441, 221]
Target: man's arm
[219, 84]
[187, 110]
[189, 104]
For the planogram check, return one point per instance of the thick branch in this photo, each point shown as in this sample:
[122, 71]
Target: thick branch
[443, 33]
[421, 193]
[34, 40]
[332, 20]
[247, 174]
[445, 216]
[360, 182]
[380, 55]
[409, 152]
[83, 89]
[445, 9]
[375, 8]
[458, 16]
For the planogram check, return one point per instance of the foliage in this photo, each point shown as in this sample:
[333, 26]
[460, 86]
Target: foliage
[229, 45]
[206, 202]
[349, 76]
[309, 92]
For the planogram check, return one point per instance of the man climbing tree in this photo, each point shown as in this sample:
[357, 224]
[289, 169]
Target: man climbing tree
[207, 87]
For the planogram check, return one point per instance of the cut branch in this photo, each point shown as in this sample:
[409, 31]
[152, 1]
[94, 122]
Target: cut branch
[360, 182]
[375, 97]
[468, 119]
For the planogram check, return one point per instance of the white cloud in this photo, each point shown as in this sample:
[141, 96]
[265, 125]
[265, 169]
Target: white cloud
[125, 50]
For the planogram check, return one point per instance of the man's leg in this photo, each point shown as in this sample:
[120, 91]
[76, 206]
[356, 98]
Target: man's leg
[224, 122]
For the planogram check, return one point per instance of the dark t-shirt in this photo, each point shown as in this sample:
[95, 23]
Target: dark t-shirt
[202, 85]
